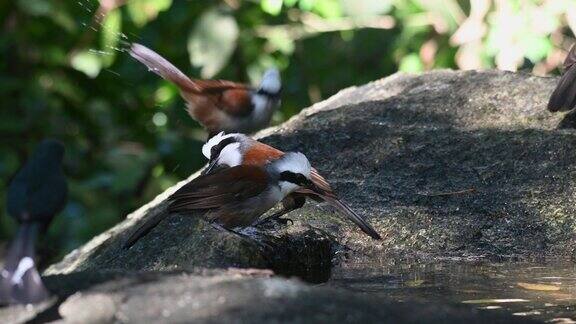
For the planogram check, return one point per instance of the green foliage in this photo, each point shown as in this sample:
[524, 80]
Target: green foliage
[63, 74]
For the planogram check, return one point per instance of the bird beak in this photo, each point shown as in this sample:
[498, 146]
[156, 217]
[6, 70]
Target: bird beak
[212, 166]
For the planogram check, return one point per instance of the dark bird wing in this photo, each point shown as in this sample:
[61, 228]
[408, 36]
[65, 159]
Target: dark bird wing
[219, 189]
[20, 282]
[209, 191]
[564, 96]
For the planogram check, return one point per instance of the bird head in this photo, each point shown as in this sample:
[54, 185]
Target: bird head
[50, 150]
[293, 170]
[271, 85]
[223, 149]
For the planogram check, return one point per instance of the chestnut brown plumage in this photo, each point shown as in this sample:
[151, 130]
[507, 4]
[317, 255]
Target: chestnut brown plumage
[218, 105]
[236, 197]
[238, 149]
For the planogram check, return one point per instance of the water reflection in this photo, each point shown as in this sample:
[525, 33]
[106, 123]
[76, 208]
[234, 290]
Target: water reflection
[545, 291]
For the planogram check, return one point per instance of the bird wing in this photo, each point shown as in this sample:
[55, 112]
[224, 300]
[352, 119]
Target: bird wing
[231, 97]
[217, 86]
[570, 58]
[219, 189]
[564, 95]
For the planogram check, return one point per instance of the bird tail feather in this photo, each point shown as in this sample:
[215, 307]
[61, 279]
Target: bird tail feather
[144, 229]
[161, 66]
[20, 282]
[564, 96]
[357, 219]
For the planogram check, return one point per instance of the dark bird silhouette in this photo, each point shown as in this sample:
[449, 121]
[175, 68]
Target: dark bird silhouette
[219, 105]
[36, 194]
[238, 149]
[564, 96]
[236, 197]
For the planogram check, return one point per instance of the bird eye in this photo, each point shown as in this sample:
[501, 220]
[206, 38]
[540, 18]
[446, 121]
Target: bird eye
[214, 151]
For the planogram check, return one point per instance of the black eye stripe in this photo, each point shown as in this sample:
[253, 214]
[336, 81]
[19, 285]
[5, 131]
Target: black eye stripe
[292, 177]
[273, 95]
[217, 149]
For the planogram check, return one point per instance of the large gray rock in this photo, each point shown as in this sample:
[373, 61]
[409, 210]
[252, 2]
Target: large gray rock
[444, 164]
[226, 298]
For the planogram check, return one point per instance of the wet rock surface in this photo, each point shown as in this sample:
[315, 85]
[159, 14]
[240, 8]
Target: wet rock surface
[444, 165]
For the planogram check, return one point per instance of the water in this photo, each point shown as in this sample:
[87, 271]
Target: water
[545, 291]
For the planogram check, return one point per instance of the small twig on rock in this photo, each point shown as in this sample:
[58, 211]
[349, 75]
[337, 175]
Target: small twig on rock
[450, 193]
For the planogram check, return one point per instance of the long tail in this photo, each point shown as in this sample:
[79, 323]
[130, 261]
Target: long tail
[20, 282]
[161, 66]
[144, 229]
[357, 219]
[564, 96]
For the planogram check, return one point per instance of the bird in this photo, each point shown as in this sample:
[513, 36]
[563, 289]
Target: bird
[229, 150]
[236, 197]
[219, 105]
[36, 194]
[564, 96]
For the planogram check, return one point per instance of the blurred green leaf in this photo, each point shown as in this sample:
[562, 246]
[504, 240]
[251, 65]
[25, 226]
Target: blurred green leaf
[111, 29]
[280, 40]
[143, 11]
[536, 48]
[328, 8]
[212, 41]
[87, 62]
[365, 8]
[306, 5]
[65, 21]
[272, 7]
[35, 7]
[411, 63]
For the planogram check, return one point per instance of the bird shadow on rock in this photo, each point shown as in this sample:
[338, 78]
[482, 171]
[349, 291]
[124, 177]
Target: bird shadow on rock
[183, 242]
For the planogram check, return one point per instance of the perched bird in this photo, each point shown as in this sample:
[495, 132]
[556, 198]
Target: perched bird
[564, 96]
[236, 197]
[219, 105]
[36, 194]
[238, 149]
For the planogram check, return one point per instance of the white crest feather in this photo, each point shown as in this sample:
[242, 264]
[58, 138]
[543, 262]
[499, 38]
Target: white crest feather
[207, 148]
